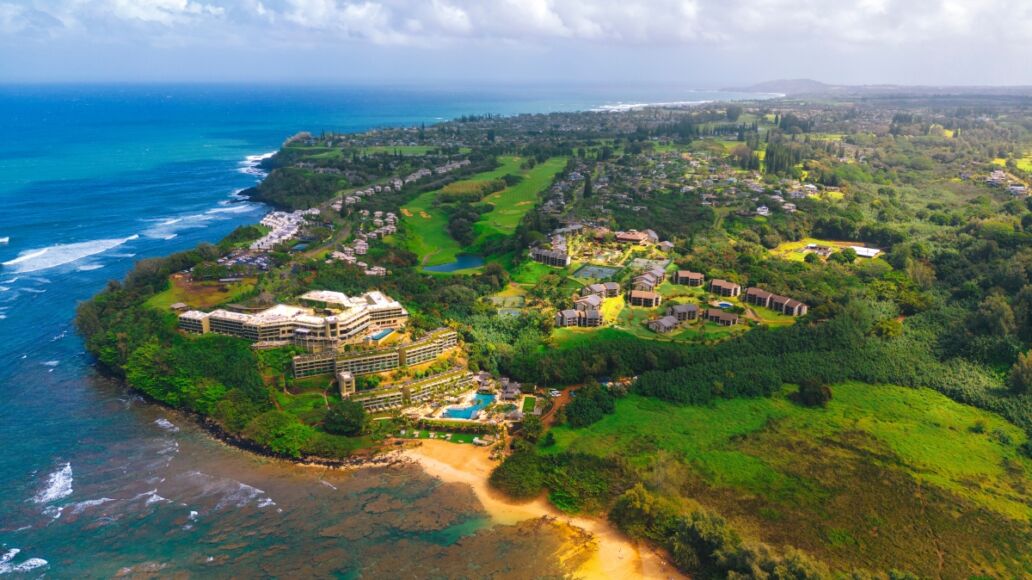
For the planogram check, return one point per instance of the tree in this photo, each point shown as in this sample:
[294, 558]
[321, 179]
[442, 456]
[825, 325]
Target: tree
[345, 417]
[812, 393]
[587, 185]
[532, 427]
[1020, 377]
[995, 316]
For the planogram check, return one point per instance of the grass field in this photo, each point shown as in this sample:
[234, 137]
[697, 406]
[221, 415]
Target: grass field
[512, 203]
[529, 404]
[794, 250]
[530, 272]
[202, 295]
[885, 476]
[426, 227]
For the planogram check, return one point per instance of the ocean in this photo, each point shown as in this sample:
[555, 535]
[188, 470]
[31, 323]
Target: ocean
[96, 482]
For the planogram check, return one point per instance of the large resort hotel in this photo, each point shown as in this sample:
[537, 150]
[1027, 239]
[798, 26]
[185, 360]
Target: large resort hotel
[328, 319]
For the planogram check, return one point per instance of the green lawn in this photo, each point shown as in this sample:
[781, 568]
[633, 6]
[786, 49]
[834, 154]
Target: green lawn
[200, 294]
[530, 272]
[425, 227]
[529, 404]
[851, 478]
[512, 203]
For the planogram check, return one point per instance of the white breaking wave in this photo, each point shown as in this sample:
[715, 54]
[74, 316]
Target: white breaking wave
[167, 229]
[78, 508]
[7, 567]
[61, 254]
[58, 486]
[166, 425]
[624, 107]
[89, 267]
[250, 164]
[236, 208]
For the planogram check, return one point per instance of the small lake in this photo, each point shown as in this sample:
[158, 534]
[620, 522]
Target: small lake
[462, 262]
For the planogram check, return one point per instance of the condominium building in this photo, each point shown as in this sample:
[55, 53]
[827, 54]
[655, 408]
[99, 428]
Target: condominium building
[340, 318]
[361, 362]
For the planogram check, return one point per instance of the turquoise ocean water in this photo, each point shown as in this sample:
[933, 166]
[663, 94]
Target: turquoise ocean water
[93, 480]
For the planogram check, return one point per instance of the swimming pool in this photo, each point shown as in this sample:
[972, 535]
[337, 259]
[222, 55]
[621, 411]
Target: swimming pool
[382, 334]
[724, 305]
[479, 402]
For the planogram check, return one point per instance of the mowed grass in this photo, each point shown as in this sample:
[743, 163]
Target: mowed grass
[512, 203]
[794, 250]
[426, 226]
[884, 477]
[201, 295]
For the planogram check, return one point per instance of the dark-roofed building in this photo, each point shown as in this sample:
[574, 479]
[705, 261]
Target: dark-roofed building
[663, 325]
[597, 289]
[683, 312]
[612, 289]
[782, 304]
[589, 302]
[788, 306]
[688, 278]
[565, 318]
[581, 318]
[645, 298]
[646, 281]
[724, 288]
[758, 297]
[721, 317]
[550, 257]
[632, 237]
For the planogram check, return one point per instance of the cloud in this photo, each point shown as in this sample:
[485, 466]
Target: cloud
[767, 37]
[640, 22]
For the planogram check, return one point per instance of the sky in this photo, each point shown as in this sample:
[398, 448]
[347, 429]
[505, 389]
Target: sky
[699, 43]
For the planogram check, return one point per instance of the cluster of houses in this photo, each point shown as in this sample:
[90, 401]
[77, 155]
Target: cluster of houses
[678, 314]
[1000, 178]
[586, 311]
[396, 184]
[385, 224]
[556, 254]
[782, 304]
[357, 195]
[283, 226]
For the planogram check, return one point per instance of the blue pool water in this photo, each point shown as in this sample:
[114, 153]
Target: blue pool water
[462, 262]
[724, 305]
[479, 402]
[383, 334]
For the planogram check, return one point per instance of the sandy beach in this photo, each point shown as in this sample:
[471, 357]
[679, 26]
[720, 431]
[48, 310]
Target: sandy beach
[617, 555]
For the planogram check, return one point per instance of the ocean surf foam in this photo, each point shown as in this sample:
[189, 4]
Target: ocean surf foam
[58, 485]
[61, 254]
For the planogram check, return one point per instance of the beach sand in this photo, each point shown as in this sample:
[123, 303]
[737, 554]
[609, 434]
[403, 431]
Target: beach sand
[617, 556]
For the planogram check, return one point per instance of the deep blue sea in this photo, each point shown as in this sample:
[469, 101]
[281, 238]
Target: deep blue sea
[94, 481]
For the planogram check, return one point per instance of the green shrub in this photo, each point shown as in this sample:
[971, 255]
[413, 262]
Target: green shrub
[280, 432]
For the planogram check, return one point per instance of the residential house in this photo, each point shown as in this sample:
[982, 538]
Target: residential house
[644, 298]
[788, 306]
[683, 312]
[689, 278]
[724, 288]
[632, 237]
[589, 302]
[550, 257]
[720, 317]
[663, 325]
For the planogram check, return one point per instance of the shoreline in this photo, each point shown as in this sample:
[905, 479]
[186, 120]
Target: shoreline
[616, 556]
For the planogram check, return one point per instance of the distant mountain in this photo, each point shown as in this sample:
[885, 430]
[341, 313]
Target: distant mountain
[791, 87]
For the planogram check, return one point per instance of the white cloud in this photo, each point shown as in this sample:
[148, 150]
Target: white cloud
[166, 12]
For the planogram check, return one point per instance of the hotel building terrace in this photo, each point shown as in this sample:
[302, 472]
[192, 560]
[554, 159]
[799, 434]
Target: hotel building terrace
[335, 318]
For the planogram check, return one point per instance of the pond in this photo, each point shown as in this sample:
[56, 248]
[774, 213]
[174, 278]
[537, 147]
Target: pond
[462, 262]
